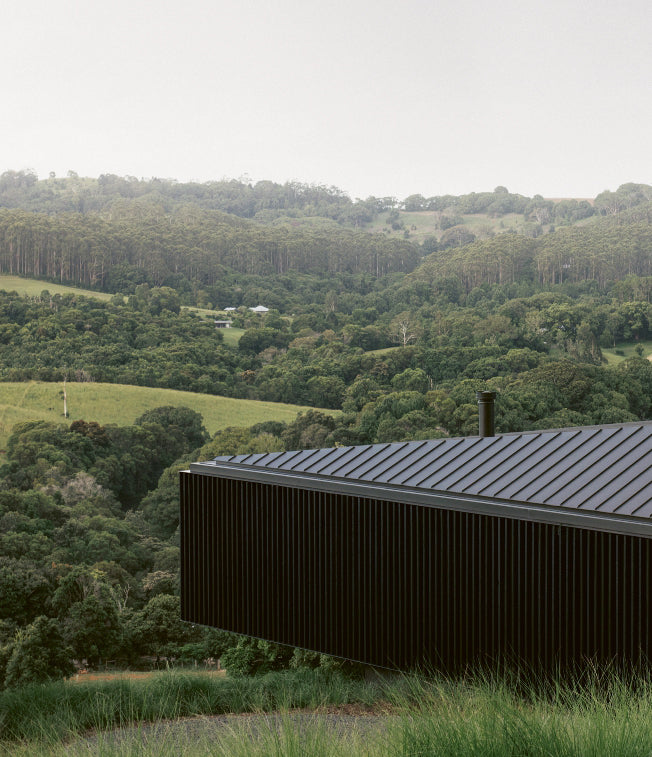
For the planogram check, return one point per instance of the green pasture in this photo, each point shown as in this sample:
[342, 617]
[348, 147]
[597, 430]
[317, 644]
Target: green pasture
[120, 405]
[383, 350]
[206, 312]
[34, 287]
[232, 336]
[425, 223]
[618, 353]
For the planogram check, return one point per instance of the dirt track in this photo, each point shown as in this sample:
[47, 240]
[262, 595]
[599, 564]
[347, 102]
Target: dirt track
[214, 728]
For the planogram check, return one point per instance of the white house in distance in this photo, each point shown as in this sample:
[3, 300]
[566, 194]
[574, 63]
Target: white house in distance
[259, 309]
[223, 324]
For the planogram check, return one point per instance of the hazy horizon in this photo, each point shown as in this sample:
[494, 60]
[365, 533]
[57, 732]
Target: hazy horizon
[377, 98]
[249, 180]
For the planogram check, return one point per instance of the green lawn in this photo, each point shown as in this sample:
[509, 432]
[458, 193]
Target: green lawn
[121, 405]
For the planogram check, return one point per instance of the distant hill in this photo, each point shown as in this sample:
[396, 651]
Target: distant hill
[238, 243]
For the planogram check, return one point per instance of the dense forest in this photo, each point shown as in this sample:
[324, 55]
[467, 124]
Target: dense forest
[394, 330]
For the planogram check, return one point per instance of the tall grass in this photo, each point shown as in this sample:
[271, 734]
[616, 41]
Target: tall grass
[59, 710]
[604, 717]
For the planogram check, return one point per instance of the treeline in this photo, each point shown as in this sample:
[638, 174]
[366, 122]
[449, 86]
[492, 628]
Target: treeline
[604, 251]
[501, 201]
[263, 199]
[185, 249]
[267, 200]
[191, 250]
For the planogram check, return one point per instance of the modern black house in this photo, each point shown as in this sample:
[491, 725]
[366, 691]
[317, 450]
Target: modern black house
[530, 547]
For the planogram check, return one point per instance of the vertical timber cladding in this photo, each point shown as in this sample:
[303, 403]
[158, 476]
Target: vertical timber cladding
[399, 585]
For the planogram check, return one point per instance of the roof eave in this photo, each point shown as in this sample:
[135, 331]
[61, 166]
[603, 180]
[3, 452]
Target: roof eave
[588, 519]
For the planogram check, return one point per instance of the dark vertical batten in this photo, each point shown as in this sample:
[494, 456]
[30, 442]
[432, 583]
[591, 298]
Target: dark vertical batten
[401, 585]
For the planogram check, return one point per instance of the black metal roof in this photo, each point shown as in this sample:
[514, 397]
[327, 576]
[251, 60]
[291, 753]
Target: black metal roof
[594, 477]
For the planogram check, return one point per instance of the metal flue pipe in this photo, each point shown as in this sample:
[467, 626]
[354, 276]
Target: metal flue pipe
[486, 413]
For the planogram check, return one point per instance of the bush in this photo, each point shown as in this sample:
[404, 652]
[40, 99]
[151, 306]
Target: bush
[255, 657]
[38, 654]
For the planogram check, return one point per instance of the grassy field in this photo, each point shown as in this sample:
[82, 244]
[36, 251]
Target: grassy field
[383, 350]
[232, 336]
[34, 287]
[627, 349]
[426, 224]
[310, 713]
[121, 405]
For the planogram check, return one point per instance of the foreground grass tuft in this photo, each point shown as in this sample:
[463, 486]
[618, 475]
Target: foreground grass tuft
[61, 710]
[415, 717]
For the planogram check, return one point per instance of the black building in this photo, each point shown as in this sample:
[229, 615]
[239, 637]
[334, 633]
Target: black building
[533, 547]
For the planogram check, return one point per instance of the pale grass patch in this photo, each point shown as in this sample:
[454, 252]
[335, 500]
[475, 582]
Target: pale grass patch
[120, 405]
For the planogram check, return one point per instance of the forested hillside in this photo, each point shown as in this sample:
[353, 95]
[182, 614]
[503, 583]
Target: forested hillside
[220, 242]
[392, 329]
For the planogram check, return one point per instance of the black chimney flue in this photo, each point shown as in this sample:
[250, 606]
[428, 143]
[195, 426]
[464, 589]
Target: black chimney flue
[486, 413]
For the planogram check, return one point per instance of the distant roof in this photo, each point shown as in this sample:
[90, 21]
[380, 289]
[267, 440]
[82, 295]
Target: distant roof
[226, 309]
[594, 477]
[260, 309]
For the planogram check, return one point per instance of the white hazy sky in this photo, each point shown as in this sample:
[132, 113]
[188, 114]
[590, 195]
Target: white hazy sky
[375, 97]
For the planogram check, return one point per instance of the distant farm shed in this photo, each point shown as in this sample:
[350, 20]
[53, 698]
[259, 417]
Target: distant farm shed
[532, 547]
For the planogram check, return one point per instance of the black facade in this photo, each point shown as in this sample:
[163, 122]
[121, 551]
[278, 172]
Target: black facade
[395, 577]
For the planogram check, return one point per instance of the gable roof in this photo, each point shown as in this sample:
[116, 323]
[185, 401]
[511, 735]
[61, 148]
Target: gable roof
[592, 477]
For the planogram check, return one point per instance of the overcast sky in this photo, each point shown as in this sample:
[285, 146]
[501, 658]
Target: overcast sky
[372, 96]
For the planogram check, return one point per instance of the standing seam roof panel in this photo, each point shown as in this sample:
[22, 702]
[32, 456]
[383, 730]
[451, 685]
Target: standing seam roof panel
[559, 449]
[478, 467]
[386, 456]
[634, 496]
[411, 456]
[604, 470]
[620, 487]
[504, 472]
[600, 475]
[416, 477]
[586, 454]
[353, 464]
[593, 466]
